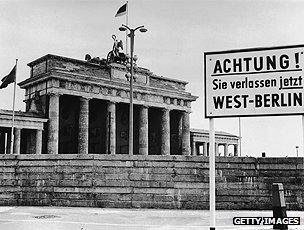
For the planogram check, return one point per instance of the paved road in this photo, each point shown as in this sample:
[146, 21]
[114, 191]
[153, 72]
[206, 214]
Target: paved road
[62, 218]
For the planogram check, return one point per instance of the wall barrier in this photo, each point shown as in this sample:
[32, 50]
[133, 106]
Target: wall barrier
[123, 181]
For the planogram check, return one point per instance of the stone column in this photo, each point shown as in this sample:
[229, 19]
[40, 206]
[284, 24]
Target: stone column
[8, 142]
[165, 132]
[216, 149]
[180, 130]
[225, 149]
[186, 134]
[83, 135]
[236, 150]
[53, 129]
[143, 130]
[38, 141]
[193, 149]
[17, 140]
[204, 149]
[111, 128]
[2, 142]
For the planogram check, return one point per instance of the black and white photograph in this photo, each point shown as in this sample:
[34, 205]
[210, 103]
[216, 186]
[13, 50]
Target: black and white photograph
[151, 114]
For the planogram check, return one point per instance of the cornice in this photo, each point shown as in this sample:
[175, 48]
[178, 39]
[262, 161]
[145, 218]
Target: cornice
[104, 82]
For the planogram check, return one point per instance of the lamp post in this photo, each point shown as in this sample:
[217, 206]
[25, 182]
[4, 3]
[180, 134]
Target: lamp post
[131, 35]
[297, 151]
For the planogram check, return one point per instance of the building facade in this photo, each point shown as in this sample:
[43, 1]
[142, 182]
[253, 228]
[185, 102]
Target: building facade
[223, 143]
[27, 125]
[82, 107]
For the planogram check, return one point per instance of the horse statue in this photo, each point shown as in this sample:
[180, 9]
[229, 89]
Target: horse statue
[114, 55]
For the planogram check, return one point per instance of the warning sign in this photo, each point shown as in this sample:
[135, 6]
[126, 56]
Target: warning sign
[254, 82]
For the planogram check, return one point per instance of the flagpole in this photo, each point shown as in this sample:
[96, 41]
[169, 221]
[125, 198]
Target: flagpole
[13, 119]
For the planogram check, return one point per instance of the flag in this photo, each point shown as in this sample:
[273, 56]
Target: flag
[122, 10]
[8, 79]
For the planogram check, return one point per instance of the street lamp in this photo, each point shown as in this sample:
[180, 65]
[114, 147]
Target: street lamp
[131, 35]
[297, 151]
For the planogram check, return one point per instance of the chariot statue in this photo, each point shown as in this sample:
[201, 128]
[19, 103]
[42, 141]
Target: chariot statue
[115, 55]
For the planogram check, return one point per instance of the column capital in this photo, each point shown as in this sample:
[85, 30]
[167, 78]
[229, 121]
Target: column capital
[183, 111]
[55, 94]
[145, 106]
[165, 110]
[112, 102]
[84, 98]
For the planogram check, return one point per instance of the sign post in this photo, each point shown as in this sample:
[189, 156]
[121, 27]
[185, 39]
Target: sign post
[303, 132]
[251, 82]
[212, 173]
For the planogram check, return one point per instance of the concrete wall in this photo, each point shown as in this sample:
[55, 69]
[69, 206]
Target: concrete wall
[147, 181]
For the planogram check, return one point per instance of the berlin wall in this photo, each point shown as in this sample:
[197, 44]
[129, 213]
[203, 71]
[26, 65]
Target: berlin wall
[123, 181]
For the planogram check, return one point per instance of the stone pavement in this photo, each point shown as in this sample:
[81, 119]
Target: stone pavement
[64, 218]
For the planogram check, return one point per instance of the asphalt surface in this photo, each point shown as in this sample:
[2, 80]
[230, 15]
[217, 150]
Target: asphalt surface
[67, 218]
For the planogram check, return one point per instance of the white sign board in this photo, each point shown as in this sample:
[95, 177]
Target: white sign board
[254, 82]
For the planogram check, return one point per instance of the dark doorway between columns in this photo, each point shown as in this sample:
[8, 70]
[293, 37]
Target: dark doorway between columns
[122, 128]
[45, 99]
[68, 124]
[98, 125]
[136, 129]
[2, 141]
[154, 135]
[28, 141]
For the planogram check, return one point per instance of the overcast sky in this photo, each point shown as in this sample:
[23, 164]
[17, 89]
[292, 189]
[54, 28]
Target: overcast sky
[179, 31]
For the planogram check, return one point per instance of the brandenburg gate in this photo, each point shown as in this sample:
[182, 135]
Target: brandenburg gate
[82, 106]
